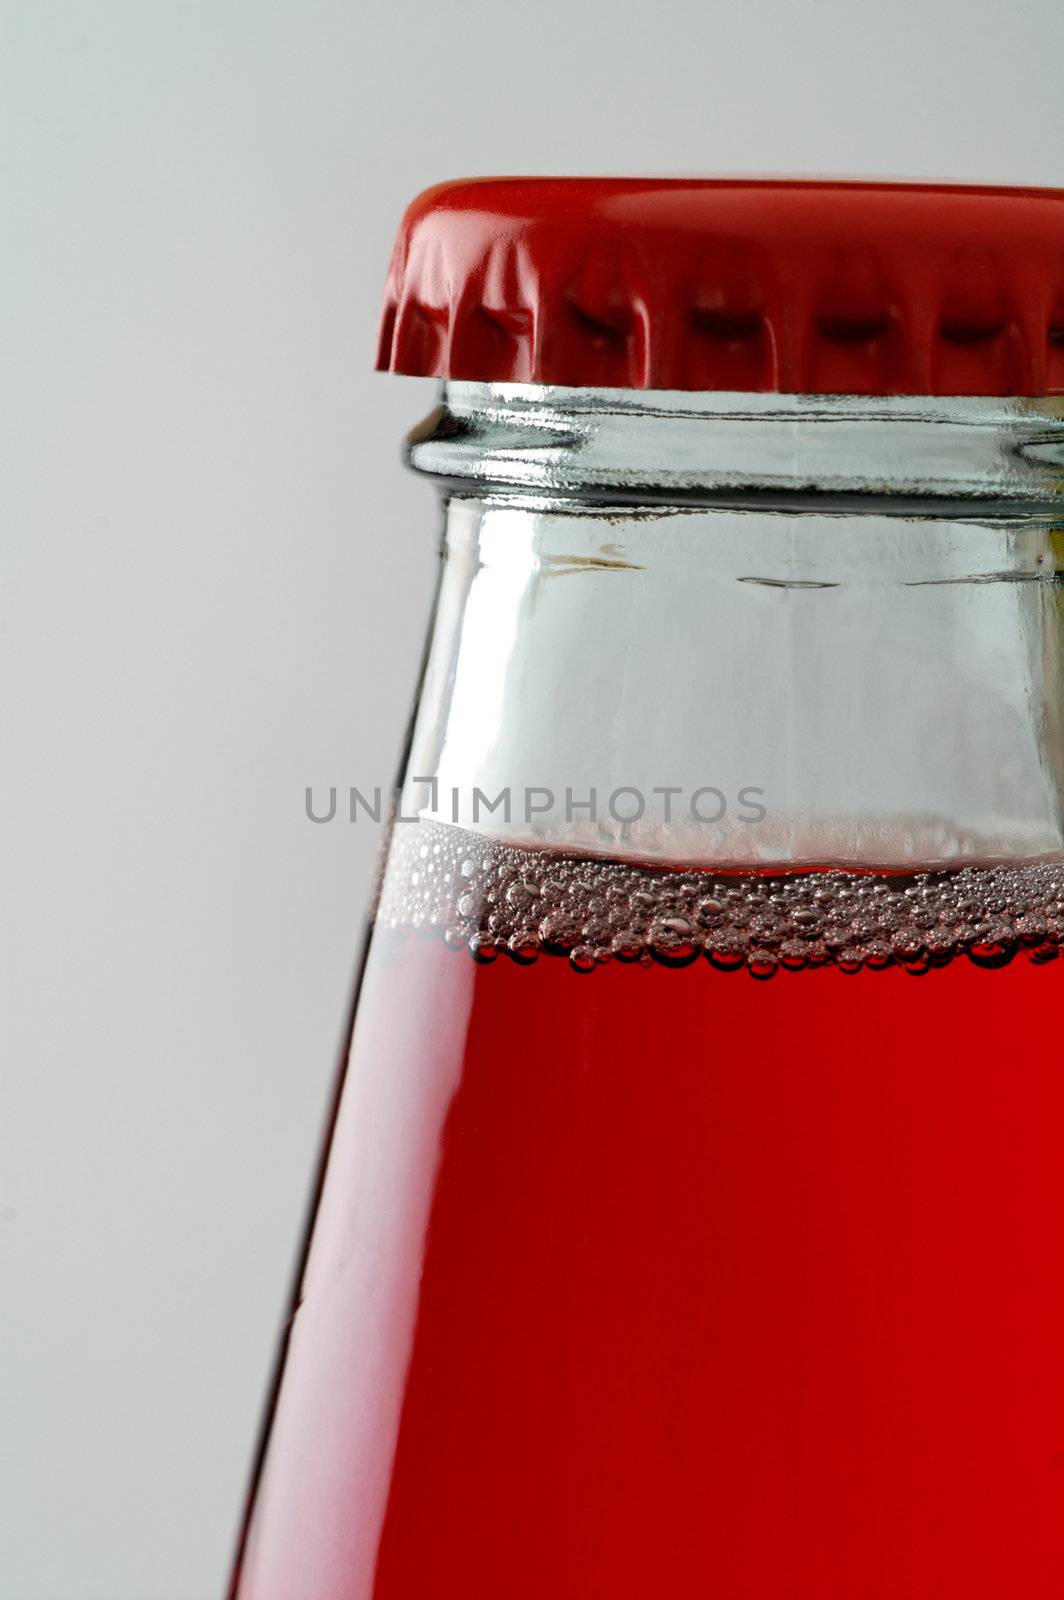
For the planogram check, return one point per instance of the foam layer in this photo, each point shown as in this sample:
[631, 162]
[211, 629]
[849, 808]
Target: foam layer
[493, 899]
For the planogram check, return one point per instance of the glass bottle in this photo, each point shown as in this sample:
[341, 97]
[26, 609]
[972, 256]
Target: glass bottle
[693, 1219]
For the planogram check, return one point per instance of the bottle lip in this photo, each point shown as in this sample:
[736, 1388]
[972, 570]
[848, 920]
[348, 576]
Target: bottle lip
[618, 447]
[767, 285]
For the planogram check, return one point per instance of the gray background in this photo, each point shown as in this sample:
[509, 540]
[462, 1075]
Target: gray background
[216, 576]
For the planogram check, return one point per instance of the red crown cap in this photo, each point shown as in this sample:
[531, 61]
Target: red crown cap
[798, 287]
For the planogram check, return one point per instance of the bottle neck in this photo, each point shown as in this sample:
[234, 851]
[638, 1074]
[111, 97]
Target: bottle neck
[629, 447]
[747, 630]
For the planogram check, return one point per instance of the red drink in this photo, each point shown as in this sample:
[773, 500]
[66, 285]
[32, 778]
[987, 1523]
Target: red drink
[658, 1281]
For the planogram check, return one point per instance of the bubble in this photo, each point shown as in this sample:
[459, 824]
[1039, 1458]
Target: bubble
[727, 952]
[762, 963]
[673, 941]
[560, 928]
[523, 947]
[520, 895]
[627, 945]
[991, 951]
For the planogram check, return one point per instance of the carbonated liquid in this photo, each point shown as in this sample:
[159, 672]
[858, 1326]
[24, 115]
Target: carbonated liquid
[683, 1235]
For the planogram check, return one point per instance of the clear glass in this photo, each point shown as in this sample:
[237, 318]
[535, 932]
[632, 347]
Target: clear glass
[632, 1275]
